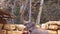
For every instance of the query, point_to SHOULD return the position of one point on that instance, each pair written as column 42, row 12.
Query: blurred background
column 20, row 9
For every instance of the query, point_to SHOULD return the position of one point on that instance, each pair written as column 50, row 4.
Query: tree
column 39, row 14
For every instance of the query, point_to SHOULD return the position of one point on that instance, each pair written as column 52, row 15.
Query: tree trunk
column 39, row 14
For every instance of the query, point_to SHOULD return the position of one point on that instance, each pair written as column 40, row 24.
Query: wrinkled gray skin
column 34, row 29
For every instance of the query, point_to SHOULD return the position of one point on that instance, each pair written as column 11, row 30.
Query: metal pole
column 30, row 11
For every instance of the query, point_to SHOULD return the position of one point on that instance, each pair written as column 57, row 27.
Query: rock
column 52, row 22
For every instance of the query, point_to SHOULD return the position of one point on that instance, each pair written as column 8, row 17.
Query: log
column 52, row 32
column 54, row 22
column 53, row 27
column 51, row 22
column 38, row 26
column 9, row 26
column 59, row 27
column 44, row 26
column 14, row 32
column 25, row 32
column 58, row 22
column 20, row 27
column 58, row 31
column 1, row 25
column 2, row 31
